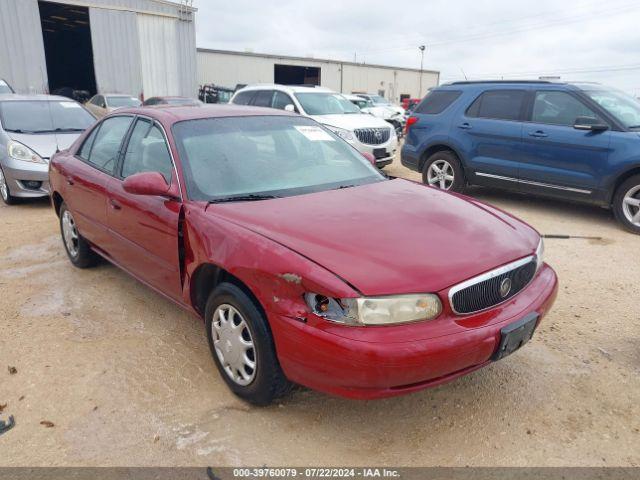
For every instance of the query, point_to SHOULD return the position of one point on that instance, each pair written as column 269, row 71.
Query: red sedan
column 306, row 263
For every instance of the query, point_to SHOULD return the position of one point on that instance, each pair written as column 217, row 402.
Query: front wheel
column 5, row 193
column 626, row 204
column 444, row 171
column 242, row 346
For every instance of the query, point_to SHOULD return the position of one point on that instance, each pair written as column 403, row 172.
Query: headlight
column 342, row 133
column 18, row 151
column 375, row 310
column 540, row 254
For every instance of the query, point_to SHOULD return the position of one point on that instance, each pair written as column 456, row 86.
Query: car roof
column 116, row 95
column 36, row 97
column 169, row 114
column 353, row 97
column 286, row 88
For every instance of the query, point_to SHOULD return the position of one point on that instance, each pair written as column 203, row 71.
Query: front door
column 144, row 229
column 558, row 159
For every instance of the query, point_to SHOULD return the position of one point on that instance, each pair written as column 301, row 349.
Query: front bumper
column 376, row 362
column 390, row 147
column 18, row 173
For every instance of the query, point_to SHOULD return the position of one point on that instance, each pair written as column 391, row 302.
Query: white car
column 379, row 101
column 386, row 113
column 364, row 132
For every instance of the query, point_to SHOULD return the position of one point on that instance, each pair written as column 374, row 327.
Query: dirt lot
column 127, row 379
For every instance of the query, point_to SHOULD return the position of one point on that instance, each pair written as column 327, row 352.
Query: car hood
column 389, row 237
column 351, row 121
column 45, row 144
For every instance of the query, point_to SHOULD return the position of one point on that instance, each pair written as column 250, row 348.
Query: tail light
column 410, row 121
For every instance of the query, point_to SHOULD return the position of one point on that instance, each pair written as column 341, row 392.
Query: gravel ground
column 126, row 377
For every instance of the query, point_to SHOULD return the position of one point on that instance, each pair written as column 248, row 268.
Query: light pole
column 422, row 49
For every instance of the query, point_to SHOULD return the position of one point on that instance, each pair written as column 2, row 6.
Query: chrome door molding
column 537, row 184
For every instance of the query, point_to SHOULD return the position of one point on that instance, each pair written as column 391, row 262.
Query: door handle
column 465, row 126
column 115, row 205
column 538, row 134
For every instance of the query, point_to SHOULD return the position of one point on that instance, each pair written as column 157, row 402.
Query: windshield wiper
column 57, row 130
column 341, row 187
column 243, row 198
column 18, row 130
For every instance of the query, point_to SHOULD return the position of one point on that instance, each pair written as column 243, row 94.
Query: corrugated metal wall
column 138, row 44
column 230, row 68
column 22, row 60
column 116, row 51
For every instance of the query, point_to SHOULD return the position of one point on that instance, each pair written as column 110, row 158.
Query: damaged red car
column 307, row 264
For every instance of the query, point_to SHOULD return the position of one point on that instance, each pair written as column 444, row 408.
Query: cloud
column 483, row 39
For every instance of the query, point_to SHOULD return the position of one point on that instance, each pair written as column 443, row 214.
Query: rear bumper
column 18, row 173
column 365, row 364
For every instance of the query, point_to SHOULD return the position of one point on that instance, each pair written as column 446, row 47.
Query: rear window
column 437, row 101
column 498, row 105
column 44, row 116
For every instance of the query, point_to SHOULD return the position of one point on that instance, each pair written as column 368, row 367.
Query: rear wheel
column 5, row 193
column 242, row 346
column 444, row 171
column 626, row 204
column 77, row 248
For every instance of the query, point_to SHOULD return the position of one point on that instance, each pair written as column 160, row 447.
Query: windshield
column 4, row 88
column 266, row 155
column 362, row 103
column 623, row 107
column 119, row 102
column 44, row 116
column 321, row 103
column 378, row 100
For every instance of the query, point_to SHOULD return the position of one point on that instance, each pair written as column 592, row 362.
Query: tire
column 626, row 204
column 79, row 252
column 5, row 193
column 449, row 160
column 264, row 382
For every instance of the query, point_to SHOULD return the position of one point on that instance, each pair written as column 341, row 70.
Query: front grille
column 484, row 291
column 373, row 136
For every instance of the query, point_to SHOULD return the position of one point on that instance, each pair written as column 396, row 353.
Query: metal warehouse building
column 227, row 68
column 139, row 47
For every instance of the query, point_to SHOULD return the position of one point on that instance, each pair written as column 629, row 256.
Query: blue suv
column 575, row 141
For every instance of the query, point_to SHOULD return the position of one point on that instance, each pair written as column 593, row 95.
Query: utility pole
column 422, row 49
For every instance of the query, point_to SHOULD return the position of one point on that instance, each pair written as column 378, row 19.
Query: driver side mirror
column 290, row 108
column 371, row 158
column 590, row 124
column 149, row 184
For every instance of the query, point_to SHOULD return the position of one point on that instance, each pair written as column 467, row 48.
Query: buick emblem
column 505, row 287
column 378, row 135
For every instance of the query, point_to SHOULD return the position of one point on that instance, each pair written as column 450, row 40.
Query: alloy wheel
column 441, row 174
column 233, row 344
column 70, row 233
column 4, row 189
column 631, row 206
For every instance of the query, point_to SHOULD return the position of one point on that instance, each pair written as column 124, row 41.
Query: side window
column 437, row 101
column 106, row 146
column 498, row 104
column 559, row 108
column 263, row 98
column 85, row 150
column 147, row 151
column 151, row 101
column 281, row 100
column 244, row 98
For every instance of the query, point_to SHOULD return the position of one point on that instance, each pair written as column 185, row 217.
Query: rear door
column 557, row 158
column 144, row 229
column 88, row 175
column 490, row 131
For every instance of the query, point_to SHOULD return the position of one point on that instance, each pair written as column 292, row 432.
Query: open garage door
column 296, row 75
column 66, row 32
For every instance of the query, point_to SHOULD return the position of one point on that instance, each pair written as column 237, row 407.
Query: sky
column 512, row 39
